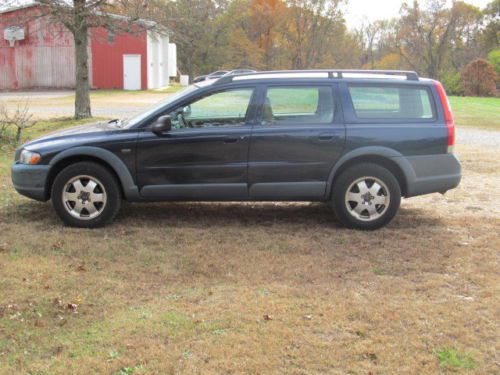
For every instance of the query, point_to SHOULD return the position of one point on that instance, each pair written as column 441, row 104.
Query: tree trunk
column 80, row 34
column 18, row 135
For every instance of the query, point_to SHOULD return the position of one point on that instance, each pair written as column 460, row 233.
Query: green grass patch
column 128, row 370
column 477, row 112
column 177, row 323
column 451, row 358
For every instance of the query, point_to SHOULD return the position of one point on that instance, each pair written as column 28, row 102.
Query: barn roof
column 30, row 4
column 13, row 8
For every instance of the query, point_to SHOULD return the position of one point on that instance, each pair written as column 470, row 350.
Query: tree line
column 457, row 44
column 435, row 39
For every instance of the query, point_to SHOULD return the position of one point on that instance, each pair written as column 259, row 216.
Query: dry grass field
column 264, row 288
column 255, row 288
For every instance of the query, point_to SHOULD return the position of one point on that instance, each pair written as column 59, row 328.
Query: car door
column 205, row 155
column 298, row 137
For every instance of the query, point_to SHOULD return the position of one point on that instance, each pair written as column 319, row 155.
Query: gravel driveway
column 478, row 137
column 50, row 104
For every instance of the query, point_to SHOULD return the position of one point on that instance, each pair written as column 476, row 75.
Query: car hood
column 81, row 129
column 73, row 134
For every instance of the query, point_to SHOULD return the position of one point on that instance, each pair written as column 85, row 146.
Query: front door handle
column 326, row 136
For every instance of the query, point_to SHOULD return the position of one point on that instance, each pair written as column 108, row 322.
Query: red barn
column 36, row 53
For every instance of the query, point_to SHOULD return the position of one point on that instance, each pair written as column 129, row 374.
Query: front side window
column 225, row 108
column 298, row 105
column 378, row 102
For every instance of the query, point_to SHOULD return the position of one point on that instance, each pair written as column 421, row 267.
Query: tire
column 366, row 196
column 86, row 195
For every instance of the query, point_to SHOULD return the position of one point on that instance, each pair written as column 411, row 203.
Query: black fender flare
column 374, row 151
column 130, row 189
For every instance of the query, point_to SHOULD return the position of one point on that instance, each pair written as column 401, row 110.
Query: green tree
column 490, row 35
column 192, row 23
column 494, row 60
column 313, row 27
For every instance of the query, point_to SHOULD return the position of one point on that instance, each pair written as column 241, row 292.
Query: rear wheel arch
column 384, row 161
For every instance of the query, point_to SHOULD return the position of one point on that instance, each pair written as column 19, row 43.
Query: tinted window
column 298, row 105
column 376, row 102
column 226, row 108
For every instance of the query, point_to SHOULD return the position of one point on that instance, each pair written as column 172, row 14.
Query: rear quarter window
column 391, row 102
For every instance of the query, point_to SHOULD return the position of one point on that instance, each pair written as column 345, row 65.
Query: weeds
column 452, row 358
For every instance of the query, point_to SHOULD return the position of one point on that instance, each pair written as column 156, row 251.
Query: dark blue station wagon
column 359, row 140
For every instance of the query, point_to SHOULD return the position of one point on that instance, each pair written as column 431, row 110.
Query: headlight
column 28, row 157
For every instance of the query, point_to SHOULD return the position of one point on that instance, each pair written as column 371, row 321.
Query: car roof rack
column 331, row 73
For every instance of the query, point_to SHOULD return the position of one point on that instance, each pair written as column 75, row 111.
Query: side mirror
column 162, row 125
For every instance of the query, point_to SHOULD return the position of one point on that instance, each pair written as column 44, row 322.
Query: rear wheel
column 86, row 195
column 366, row 196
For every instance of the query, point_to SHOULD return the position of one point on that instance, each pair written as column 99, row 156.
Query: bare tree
column 20, row 118
column 425, row 35
column 367, row 35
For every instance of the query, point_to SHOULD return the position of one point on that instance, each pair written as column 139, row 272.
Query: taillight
column 448, row 115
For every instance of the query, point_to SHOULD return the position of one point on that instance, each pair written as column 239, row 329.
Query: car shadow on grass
column 207, row 214
column 256, row 214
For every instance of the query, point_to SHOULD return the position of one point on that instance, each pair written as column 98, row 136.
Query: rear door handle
column 326, row 136
column 233, row 139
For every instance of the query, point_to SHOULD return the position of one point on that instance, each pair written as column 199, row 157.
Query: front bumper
column 31, row 180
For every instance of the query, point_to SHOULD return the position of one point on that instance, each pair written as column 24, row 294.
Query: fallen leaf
column 39, row 323
column 58, row 245
column 370, row 356
column 81, row 268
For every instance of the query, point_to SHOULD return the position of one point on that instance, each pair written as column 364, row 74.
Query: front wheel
column 366, row 196
column 86, row 195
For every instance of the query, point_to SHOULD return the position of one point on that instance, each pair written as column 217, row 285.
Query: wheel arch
column 388, row 158
column 97, row 155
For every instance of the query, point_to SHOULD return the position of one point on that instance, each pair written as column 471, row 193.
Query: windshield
column 170, row 99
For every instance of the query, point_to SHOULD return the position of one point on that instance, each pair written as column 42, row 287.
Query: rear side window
column 289, row 105
column 379, row 102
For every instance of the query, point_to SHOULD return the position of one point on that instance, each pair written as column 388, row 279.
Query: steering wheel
column 182, row 121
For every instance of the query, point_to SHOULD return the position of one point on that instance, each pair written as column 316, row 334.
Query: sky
column 358, row 11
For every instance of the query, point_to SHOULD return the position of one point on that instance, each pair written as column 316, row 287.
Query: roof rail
column 332, row 73
column 410, row 75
